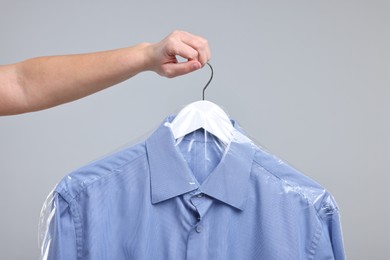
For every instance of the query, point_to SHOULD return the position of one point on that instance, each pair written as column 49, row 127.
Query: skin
column 44, row 82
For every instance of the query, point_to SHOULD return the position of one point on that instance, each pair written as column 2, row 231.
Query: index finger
column 198, row 43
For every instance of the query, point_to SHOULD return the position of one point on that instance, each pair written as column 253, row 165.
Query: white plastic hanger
column 203, row 114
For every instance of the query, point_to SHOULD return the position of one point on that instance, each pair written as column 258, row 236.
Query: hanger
column 203, row 114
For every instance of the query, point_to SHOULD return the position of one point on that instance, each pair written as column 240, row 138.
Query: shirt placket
column 198, row 237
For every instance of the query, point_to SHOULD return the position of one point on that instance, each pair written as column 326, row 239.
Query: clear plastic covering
column 46, row 217
column 149, row 201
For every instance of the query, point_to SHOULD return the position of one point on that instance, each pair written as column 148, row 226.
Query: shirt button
column 200, row 195
column 199, row 228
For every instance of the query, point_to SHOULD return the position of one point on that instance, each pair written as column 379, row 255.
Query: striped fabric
column 192, row 200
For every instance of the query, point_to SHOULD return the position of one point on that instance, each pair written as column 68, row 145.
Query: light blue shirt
column 158, row 200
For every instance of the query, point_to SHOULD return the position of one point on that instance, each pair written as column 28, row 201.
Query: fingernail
column 196, row 66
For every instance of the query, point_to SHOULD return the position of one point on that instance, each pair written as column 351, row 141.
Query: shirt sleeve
column 329, row 240
column 58, row 239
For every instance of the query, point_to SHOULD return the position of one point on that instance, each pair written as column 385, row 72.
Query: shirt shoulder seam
column 316, row 236
column 288, row 183
column 282, row 180
column 70, row 198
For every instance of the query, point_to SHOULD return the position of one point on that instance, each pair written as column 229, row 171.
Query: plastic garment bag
column 48, row 212
column 192, row 190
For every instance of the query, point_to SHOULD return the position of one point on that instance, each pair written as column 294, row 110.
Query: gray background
column 308, row 80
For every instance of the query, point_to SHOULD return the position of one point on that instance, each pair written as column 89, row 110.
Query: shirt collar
column 171, row 176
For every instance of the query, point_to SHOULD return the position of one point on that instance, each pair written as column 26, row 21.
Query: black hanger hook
column 211, row 77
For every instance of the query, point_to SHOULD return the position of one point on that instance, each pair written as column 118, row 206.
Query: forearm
column 45, row 82
column 49, row 81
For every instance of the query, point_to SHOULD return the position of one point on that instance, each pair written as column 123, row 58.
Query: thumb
column 178, row 69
